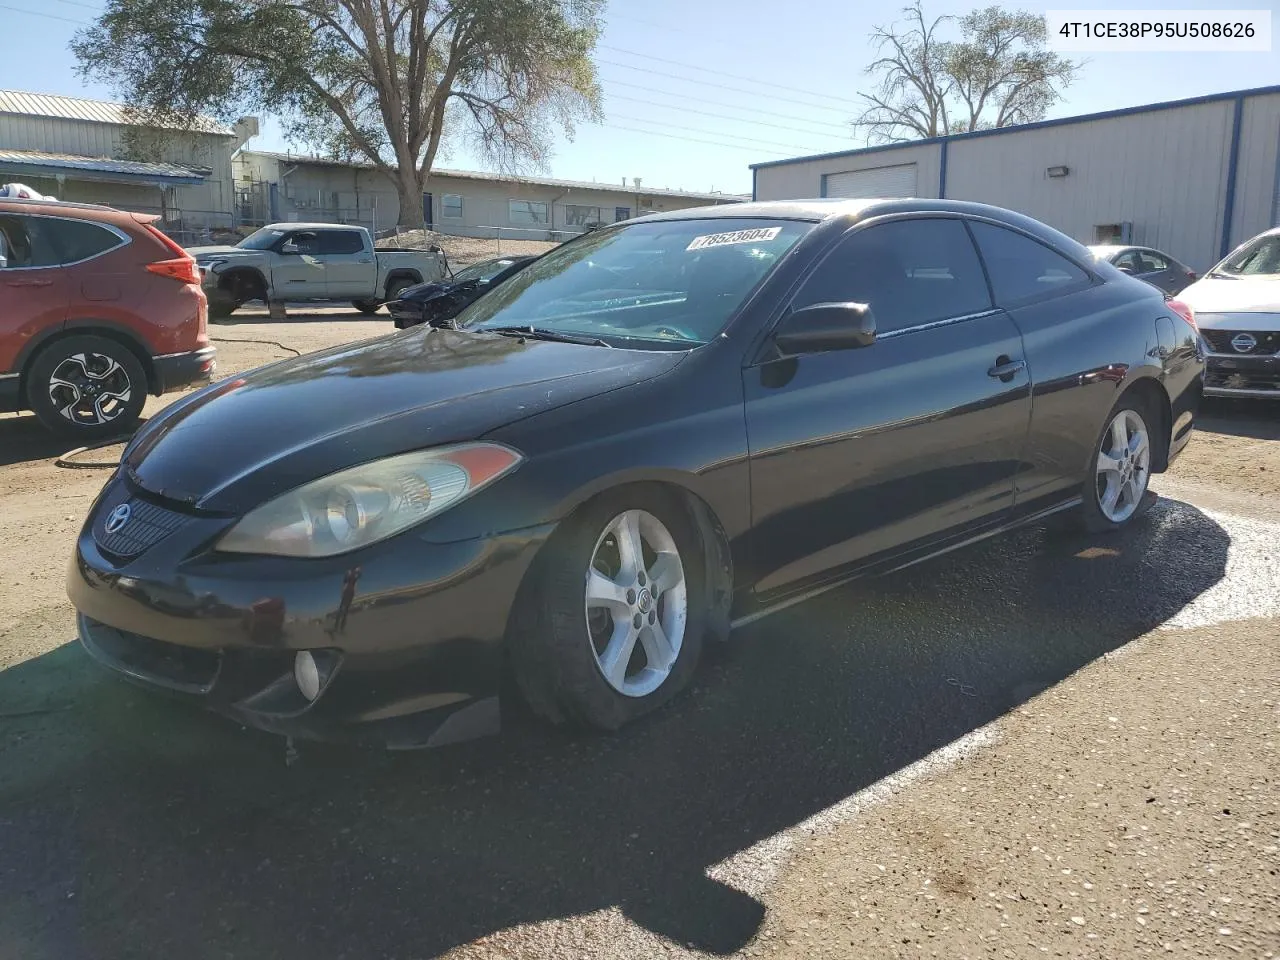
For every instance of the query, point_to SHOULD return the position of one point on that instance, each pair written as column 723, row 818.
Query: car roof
column 821, row 209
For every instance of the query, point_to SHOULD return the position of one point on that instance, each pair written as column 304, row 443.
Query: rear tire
column 398, row 286
column 367, row 307
column 87, row 387
column 597, row 639
column 1114, row 493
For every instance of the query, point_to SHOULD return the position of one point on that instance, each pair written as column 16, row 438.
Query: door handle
column 364, row 261
column 29, row 283
column 1006, row 369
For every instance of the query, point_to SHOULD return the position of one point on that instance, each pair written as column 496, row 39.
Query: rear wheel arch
column 400, row 276
column 1156, row 399
column 75, row 328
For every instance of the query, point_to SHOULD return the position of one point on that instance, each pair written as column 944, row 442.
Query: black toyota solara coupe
column 656, row 432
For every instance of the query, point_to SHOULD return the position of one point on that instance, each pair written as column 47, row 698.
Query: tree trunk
column 409, row 188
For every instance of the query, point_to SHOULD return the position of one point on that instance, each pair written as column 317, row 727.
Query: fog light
column 306, row 672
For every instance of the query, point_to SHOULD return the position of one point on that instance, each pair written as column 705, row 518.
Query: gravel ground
column 1038, row 746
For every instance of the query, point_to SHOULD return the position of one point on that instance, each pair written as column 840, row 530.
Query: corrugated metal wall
column 803, row 179
column 1164, row 171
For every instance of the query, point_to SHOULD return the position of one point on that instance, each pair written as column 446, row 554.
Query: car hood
column 1243, row 295
column 246, row 439
column 426, row 291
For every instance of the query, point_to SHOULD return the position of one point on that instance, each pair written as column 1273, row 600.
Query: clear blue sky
column 805, row 62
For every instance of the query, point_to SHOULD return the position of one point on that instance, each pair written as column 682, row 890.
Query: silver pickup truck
column 311, row 261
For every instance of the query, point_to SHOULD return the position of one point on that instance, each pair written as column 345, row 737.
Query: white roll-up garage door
column 895, row 181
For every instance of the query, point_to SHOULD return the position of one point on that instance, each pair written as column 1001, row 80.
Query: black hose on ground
column 67, row 463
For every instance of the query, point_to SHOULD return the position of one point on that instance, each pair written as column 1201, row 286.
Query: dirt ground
column 1027, row 749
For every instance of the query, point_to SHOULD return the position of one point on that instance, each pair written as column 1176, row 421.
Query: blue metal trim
column 1233, row 165
column 942, row 172
column 1038, row 125
column 98, row 176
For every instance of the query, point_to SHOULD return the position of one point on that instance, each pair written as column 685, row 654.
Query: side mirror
column 1126, row 269
column 820, row 327
column 289, row 247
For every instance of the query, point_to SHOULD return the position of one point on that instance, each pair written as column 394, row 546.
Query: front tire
column 611, row 625
column 367, row 307
column 87, row 387
column 1115, row 490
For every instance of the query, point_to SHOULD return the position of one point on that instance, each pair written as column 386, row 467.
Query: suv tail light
column 181, row 266
column 1182, row 310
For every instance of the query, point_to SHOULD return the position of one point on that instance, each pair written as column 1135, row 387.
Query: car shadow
column 1255, row 419
column 23, row 439
column 131, row 826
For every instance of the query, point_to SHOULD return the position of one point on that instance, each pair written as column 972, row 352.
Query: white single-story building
column 1192, row 177
column 455, row 201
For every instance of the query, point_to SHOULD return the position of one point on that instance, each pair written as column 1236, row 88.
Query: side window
column 340, row 242
column 78, row 240
column 28, row 242
column 1022, row 269
column 302, row 243
column 1152, row 261
column 909, row 272
column 451, row 207
column 1128, row 262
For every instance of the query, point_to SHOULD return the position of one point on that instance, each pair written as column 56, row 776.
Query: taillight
column 183, row 269
column 182, row 266
column 1182, row 310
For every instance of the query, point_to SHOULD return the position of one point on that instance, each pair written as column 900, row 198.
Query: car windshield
column 261, row 239
column 484, row 270
column 1261, row 258
column 658, row 285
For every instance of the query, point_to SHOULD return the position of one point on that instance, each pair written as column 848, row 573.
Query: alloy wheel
column 637, row 603
column 1123, row 467
column 90, row 389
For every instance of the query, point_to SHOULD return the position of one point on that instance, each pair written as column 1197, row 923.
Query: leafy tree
column 387, row 80
column 997, row 74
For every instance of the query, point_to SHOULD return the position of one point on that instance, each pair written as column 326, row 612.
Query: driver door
column 299, row 273
column 858, row 453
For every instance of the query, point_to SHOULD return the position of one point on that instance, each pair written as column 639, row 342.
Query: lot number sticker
column 738, row 236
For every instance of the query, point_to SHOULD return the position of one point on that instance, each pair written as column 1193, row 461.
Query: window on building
column 910, row 272
column 451, row 207
column 621, row 213
column 522, row 212
column 340, row 242
column 579, row 216
column 1022, row 269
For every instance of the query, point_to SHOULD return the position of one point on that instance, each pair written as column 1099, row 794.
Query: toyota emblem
column 118, row 518
column 1243, row 342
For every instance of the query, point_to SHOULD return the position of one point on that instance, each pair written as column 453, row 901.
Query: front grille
column 146, row 526
column 1242, row 381
column 1220, row 342
column 188, row 669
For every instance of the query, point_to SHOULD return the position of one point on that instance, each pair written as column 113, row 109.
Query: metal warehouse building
column 88, row 151
column 1191, row 177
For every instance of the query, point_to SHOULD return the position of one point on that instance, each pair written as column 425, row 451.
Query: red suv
column 98, row 308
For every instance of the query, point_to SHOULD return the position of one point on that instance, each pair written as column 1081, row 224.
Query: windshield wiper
column 540, row 333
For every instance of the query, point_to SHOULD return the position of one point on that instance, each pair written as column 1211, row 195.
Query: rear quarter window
column 78, row 240
column 1023, row 270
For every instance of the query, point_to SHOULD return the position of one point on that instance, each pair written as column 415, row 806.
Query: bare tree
column 386, row 80
column 997, row 74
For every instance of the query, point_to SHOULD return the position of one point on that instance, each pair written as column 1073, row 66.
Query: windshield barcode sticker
column 738, row 236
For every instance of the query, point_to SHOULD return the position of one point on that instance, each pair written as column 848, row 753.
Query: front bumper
column 416, row 628
column 177, row 370
column 1243, row 376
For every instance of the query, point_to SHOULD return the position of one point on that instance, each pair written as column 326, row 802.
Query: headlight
column 360, row 506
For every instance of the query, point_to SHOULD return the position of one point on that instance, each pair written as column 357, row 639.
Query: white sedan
column 1237, row 308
